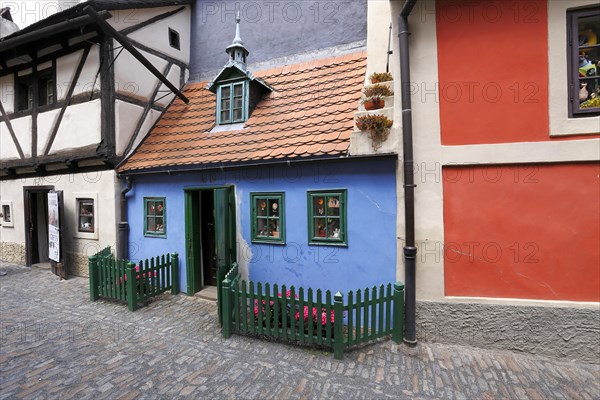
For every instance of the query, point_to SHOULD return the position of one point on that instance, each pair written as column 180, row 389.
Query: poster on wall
column 53, row 227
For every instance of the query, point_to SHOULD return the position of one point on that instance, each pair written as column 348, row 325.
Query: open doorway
column 207, row 238
column 36, row 225
column 210, row 238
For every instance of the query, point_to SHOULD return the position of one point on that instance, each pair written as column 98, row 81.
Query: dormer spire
column 238, row 38
column 236, row 50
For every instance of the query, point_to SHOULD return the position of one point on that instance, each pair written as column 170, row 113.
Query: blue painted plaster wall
column 369, row 258
column 272, row 29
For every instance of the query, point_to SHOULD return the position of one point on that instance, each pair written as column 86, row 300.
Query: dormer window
column 238, row 91
column 232, row 103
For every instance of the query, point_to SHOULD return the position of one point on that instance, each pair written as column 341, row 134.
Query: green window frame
column 155, row 216
column 327, row 222
column 268, row 217
column 232, row 103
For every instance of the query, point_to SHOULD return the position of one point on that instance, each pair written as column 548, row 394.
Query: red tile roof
column 309, row 114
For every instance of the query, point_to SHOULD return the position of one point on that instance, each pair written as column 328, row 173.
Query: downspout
column 122, row 253
column 410, row 250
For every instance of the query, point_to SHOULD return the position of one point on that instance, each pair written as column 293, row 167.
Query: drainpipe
column 124, row 225
column 410, row 250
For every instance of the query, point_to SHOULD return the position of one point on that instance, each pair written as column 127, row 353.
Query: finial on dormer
column 236, row 50
column 238, row 38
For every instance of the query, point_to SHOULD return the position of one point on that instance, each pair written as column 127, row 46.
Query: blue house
column 256, row 169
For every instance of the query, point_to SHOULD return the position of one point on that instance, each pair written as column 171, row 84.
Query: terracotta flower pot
column 373, row 105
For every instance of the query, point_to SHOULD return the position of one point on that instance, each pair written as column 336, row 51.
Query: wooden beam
column 34, row 113
column 40, row 169
column 43, row 59
column 107, row 96
column 138, row 102
column 110, row 31
column 152, row 20
column 158, row 54
column 147, row 109
column 84, row 56
column 78, row 99
column 43, row 33
column 11, row 131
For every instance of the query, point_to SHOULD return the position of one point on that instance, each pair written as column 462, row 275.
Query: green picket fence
column 308, row 317
column 124, row 280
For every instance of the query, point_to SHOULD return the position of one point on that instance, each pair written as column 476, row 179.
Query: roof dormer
column 238, row 91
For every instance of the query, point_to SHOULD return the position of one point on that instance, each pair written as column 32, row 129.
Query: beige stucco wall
column 101, row 184
column 379, row 18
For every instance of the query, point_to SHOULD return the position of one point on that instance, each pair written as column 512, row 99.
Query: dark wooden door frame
column 191, row 245
column 27, row 192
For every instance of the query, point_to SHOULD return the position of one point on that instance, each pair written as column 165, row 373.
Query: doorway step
column 208, row 293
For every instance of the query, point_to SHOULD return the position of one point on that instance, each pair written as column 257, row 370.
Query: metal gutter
column 124, row 223
column 410, row 250
column 211, row 167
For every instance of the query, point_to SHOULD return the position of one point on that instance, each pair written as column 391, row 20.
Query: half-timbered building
column 79, row 90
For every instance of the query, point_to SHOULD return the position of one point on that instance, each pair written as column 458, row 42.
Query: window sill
column 267, row 241
column 159, row 236
column 324, row 243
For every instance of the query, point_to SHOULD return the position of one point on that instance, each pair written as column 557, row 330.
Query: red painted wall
column 493, row 71
column 530, row 231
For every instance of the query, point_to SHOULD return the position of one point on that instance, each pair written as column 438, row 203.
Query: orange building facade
column 506, row 162
column 529, row 230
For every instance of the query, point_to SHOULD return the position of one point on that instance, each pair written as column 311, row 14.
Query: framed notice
column 53, row 227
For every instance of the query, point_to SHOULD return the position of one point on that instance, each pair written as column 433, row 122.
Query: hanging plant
column 377, row 126
column 377, row 77
column 374, row 96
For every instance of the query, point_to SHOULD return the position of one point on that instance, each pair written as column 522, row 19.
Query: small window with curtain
column 327, row 217
column 584, row 61
column 268, row 217
column 155, row 216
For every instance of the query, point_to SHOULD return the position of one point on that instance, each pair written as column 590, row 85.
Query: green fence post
column 226, row 310
column 94, row 278
column 174, row 273
column 398, row 329
column 130, row 273
column 338, row 321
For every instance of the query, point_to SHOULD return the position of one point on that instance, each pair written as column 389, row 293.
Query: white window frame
column 85, row 235
column 3, row 222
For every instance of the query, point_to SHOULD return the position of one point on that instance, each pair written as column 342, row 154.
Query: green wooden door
column 193, row 243
column 224, row 234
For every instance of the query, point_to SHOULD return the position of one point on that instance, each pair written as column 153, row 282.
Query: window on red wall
column 583, row 27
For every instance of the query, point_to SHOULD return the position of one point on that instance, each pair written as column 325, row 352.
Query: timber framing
column 147, row 109
column 111, row 32
column 82, row 32
column 70, row 159
column 74, row 100
column 150, row 21
column 84, row 56
column 107, row 95
column 11, row 131
column 137, row 102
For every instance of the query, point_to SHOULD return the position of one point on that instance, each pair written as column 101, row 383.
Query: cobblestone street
column 55, row 343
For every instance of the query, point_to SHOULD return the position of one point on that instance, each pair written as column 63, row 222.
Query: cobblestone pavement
column 55, row 343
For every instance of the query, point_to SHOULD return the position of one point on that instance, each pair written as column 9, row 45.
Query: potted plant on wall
column 378, row 77
column 377, row 126
column 374, row 96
